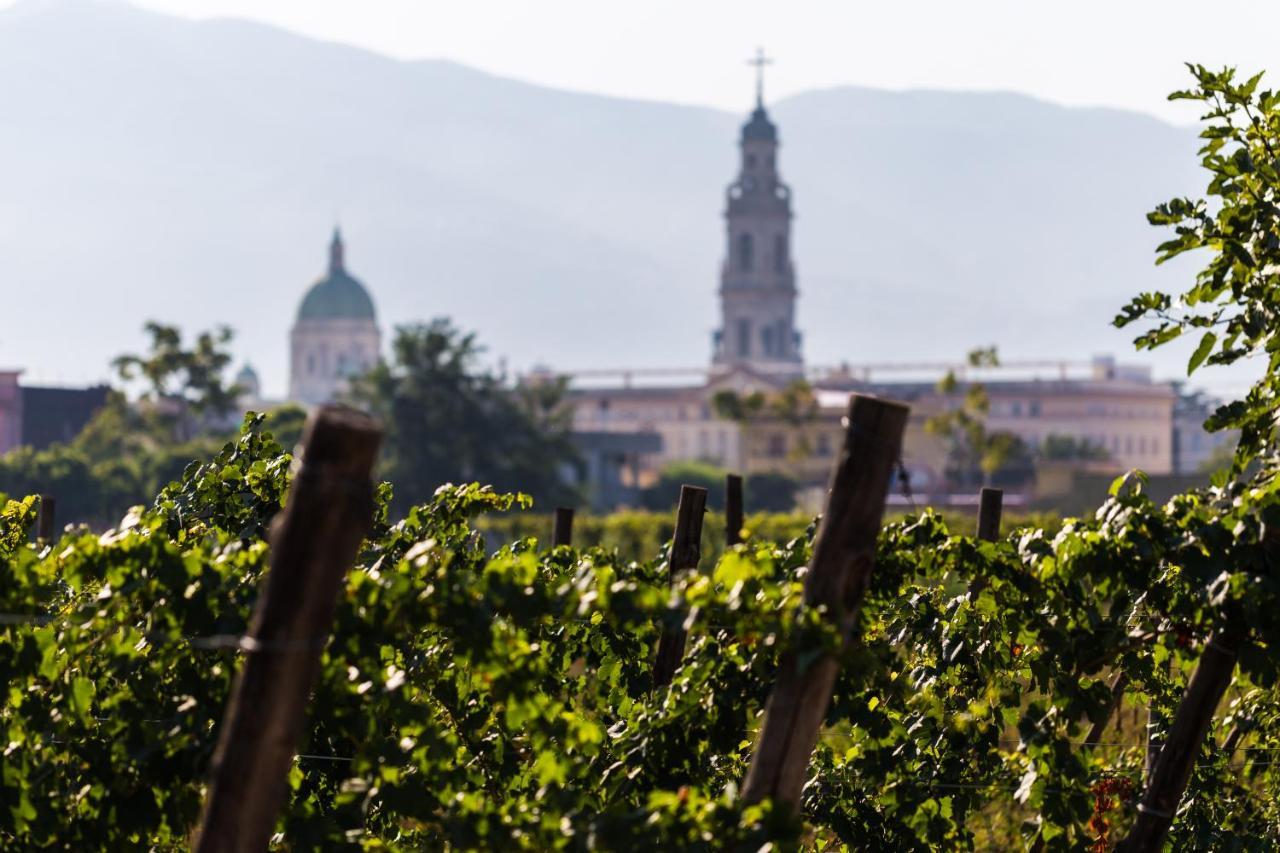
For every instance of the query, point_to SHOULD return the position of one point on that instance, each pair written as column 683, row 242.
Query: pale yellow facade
column 1127, row 415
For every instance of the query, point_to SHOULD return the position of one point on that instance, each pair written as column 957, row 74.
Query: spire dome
column 338, row 295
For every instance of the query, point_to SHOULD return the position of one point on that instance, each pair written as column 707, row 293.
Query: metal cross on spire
column 759, row 61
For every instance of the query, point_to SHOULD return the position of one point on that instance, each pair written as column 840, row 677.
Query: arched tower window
column 766, row 340
column 744, row 337
column 744, row 251
column 780, row 253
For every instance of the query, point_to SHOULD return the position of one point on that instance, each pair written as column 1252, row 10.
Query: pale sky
column 1123, row 53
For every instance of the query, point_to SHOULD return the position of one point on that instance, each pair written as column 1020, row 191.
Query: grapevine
column 471, row 698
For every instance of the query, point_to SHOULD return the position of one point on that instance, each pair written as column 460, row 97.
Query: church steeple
column 757, row 279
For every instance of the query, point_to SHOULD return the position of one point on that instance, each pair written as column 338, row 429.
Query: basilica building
column 336, row 334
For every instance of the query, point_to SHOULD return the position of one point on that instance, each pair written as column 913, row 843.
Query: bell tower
column 757, row 278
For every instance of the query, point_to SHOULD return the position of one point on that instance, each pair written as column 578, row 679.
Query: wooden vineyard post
column 733, row 511
column 1118, row 685
column 1233, row 740
column 686, row 550
column 563, row 531
column 990, row 508
column 1168, row 778
column 843, row 554
column 45, row 518
column 314, row 541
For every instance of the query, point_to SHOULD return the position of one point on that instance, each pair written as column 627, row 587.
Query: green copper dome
column 337, row 296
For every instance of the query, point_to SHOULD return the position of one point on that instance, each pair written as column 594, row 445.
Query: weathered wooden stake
column 1118, row 684
column 1233, row 740
column 843, row 554
column 1168, row 778
column 686, row 550
column 563, row 533
column 990, row 508
column 733, row 511
column 45, row 515
column 314, row 541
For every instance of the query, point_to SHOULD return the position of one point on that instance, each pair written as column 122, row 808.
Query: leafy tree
column 763, row 492
column 974, row 453
column 88, row 491
column 770, row 492
column 1234, row 304
column 128, row 451
column 1221, row 459
column 794, row 406
column 542, row 400
column 285, row 423
column 110, row 467
column 1068, row 448
column 665, row 492
column 179, row 379
column 739, row 408
column 448, row 419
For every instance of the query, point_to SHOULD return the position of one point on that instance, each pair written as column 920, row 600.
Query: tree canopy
column 449, row 419
column 129, row 450
column 192, row 376
column 1233, row 306
column 975, row 454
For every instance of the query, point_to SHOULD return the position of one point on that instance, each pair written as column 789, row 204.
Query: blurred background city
column 588, row 252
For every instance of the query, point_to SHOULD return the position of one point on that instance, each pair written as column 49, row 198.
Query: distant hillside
column 191, row 171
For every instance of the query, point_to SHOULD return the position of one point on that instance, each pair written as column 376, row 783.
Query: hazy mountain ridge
column 190, row 171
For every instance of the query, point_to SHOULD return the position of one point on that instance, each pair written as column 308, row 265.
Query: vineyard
column 264, row 656
column 514, row 699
